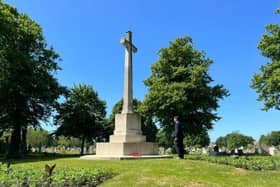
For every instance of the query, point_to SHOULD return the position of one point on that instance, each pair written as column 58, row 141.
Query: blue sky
column 86, row 35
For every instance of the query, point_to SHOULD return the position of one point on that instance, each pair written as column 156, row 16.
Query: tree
column 163, row 140
column 37, row 137
column 198, row 140
column 235, row 140
column 52, row 140
column 28, row 89
column 82, row 115
column 4, row 141
column 271, row 139
column 221, row 142
column 180, row 85
column 66, row 142
column 148, row 126
column 267, row 81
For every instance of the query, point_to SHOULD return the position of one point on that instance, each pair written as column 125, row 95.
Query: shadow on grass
column 37, row 157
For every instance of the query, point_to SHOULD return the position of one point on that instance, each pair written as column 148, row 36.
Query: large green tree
column 198, row 140
column 235, row 140
column 28, row 88
column 180, row 85
column 267, row 81
column 82, row 115
column 148, row 126
column 67, row 142
column 271, row 139
column 221, row 142
column 37, row 138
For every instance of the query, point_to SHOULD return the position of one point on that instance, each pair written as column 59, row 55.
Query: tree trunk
column 87, row 149
column 19, row 120
column 14, row 149
column 82, row 145
column 40, row 148
column 23, row 140
column 7, row 145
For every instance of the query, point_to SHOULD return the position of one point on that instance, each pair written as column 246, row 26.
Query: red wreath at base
column 136, row 154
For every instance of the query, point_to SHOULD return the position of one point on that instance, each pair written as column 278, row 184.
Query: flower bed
column 50, row 176
column 246, row 162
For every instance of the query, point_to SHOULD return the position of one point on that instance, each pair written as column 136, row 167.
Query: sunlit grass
column 169, row 172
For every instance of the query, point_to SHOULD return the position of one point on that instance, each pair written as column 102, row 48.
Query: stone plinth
column 127, row 129
column 124, row 157
column 127, row 138
column 129, row 149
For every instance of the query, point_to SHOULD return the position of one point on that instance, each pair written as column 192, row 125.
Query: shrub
column 61, row 176
column 251, row 163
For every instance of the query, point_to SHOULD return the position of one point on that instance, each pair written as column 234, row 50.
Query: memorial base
column 128, row 149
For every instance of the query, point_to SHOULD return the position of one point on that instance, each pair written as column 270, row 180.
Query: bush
column 64, row 176
column 245, row 162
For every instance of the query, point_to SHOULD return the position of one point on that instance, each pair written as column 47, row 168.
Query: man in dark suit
column 178, row 136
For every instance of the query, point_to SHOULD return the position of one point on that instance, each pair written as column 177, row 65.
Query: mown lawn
column 169, row 172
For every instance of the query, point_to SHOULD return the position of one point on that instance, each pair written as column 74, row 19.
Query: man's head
column 176, row 119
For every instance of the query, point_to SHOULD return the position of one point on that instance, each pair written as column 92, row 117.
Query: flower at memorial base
column 136, row 154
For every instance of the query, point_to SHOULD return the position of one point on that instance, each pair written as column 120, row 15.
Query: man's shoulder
column 178, row 124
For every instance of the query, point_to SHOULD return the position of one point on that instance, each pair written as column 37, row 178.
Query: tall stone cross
column 128, row 93
column 127, row 139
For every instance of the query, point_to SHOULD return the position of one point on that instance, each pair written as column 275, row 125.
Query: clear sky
column 86, row 34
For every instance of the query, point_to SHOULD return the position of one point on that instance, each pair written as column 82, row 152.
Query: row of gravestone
column 74, row 150
column 211, row 150
column 215, row 150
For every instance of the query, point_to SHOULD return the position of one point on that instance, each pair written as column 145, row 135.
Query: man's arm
column 176, row 132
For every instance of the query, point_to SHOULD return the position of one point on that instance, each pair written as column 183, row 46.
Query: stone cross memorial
column 128, row 93
column 127, row 139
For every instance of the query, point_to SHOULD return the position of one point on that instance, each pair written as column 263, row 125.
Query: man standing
column 178, row 137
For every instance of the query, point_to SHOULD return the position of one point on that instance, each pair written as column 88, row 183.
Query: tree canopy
column 266, row 82
column 28, row 88
column 221, row 142
column 67, row 142
column 271, row 139
column 82, row 115
column 198, row 140
column 234, row 140
column 180, row 85
column 37, row 137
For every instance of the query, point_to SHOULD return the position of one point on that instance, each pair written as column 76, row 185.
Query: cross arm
column 127, row 44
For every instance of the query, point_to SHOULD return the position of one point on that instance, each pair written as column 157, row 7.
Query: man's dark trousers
column 179, row 146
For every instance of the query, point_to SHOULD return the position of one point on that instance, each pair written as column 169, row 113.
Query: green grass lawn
column 168, row 172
